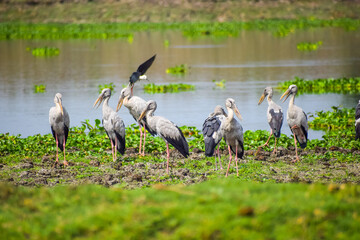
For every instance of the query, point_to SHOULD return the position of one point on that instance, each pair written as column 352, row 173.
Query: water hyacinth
column 168, row 88
column 324, row 85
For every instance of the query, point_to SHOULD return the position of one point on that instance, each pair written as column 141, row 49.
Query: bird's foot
column 66, row 163
column 274, row 151
column 295, row 160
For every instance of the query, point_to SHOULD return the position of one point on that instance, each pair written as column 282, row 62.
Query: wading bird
column 212, row 132
column 233, row 133
column 59, row 122
column 136, row 106
column 166, row 129
column 274, row 115
column 296, row 119
column 357, row 121
column 113, row 124
column 140, row 72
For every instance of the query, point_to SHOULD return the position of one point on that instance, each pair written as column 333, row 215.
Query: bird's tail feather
column 240, row 151
column 209, row 146
column 120, row 146
column 180, row 144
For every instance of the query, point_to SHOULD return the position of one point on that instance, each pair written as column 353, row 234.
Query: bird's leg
column 274, row 151
column 267, row 140
column 215, row 162
column 57, row 150
column 141, row 134
column 65, row 162
column 144, row 141
column 297, row 157
column 115, row 150
column 167, row 156
column 236, row 160
column 230, row 158
column 218, row 152
column 112, row 149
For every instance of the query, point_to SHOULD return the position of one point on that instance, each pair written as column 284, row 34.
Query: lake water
column 248, row 63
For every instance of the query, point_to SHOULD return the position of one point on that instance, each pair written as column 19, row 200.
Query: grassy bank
column 72, row 11
column 222, row 209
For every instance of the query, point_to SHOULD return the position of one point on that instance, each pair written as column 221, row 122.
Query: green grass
column 168, row 88
column 55, row 31
column 324, row 85
column 219, row 209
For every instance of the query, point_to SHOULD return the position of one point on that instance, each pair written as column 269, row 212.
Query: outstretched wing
column 145, row 66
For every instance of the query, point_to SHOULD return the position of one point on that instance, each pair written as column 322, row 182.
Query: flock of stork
column 217, row 126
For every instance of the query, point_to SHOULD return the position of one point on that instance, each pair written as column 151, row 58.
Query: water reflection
column 248, row 63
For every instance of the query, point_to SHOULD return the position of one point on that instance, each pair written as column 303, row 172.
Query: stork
column 136, row 106
column 166, row 129
column 113, row 124
column 59, row 121
column 357, row 121
column 233, row 133
column 212, row 133
column 274, row 115
column 296, row 119
column 140, row 72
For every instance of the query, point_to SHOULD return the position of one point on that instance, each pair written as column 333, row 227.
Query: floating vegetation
column 339, row 118
column 220, row 84
column 45, row 52
column 172, row 88
column 279, row 28
column 166, row 43
column 308, row 46
column 324, row 85
column 110, row 85
column 39, row 88
column 178, row 70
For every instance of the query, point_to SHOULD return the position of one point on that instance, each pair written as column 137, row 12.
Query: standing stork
column 113, row 124
column 140, row 72
column 212, row 132
column 166, row 129
column 233, row 133
column 136, row 106
column 357, row 121
column 274, row 115
column 59, row 122
column 296, row 119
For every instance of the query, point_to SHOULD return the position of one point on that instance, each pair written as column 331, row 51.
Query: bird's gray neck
column 105, row 105
column 269, row 99
column 292, row 100
column 230, row 114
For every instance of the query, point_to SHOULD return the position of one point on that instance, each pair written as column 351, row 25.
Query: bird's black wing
column 120, row 147
column 211, row 125
column 357, row 112
column 145, row 66
column 276, row 122
column 240, row 153
column 179, row 143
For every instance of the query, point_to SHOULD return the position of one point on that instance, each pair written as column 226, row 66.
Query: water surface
column 248, row 63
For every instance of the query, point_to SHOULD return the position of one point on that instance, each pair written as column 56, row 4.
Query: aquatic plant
column 109, row 85
column 41, row 88
column 166, row 88
column 308, row 46
column 178, row 69
column 45, row 52
column 220, row 84
column 339, row 118
column 324, row 85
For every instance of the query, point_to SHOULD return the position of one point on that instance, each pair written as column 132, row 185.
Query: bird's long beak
column 61, row 107
column 236, row 110
column 287, row 93
column 120, row 103
column 143, row 114
column 261, row 99
column 100, row 99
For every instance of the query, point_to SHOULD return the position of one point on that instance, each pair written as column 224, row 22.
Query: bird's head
column 150, row 105
column 268, row 91
column 58, row 102
column 105, row 93
column 125, row 92
column 291, row 90
column 219, row 110
column 230, row 104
